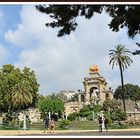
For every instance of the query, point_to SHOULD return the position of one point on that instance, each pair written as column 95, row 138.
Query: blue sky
column 10, row 17
column 61, row 63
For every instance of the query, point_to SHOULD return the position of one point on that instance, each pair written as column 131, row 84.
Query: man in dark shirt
column 46, row 124
column 100, row 124
column 106, row 124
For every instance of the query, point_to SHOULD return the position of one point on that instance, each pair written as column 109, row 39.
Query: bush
column 85, row 114
column 118, row 115
column 73, row 116
column 64, row 123
column 97, row 108
column 84, row 109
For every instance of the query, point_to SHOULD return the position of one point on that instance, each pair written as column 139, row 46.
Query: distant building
column 68, row 93
column 95, row 90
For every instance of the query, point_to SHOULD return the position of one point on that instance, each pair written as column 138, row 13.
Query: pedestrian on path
column 103, row 122
column 106, row 124
column 100, row 123
column 46, row 124
column 52, row 126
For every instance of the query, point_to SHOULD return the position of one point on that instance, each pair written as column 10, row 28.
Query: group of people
column 49, row 125
column 103, row 123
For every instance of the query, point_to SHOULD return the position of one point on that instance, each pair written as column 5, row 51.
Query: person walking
column 103, row 122
column 100, row 123
column 52, row 126
column 46, row 124
column 106, row 124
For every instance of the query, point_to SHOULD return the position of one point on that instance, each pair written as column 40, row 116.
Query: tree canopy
column 131, row 92
column 113, row 111
column 50, row 103
column 122, row 16
column 18, row 88
column 64, row 16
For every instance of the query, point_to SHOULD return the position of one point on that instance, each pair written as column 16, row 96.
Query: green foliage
column 121, row 57
column 130, row 92
column 110, row 105
column 118, row 115
column 90, row 117
column 73, row 116
column 84, row 109
column 64, row 123
column 112, row 110
column 85, row 114
column 18, row 88
column 50, row 103
column 97, row 108
column 64, row 16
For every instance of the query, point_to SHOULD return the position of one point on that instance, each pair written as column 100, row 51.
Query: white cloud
column 62, row 63
column 30, row 30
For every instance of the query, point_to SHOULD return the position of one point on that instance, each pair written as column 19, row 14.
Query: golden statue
column 94, row 68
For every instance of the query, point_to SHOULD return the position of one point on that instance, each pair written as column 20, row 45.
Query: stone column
column 79, row 98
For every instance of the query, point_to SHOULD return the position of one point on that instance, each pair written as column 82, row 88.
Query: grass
column 118, row 127
column 75, row 125
column 9, row 128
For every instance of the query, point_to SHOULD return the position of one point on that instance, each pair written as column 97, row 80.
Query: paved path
column 112, row 132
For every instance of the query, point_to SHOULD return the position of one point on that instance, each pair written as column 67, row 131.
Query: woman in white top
column 103, row 122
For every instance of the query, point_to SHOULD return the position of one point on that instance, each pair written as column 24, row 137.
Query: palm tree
column 120, row 57
column 21, row 95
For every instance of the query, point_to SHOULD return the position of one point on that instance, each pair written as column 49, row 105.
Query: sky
column 62, row 63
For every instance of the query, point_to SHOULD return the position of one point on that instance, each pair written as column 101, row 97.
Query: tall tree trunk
column 123, row 97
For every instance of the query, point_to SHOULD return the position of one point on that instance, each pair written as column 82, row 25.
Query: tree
column 48, row 104
column 137, row 52
column 85, row 109
column 97, row 108
column 118, row 115
column 112, row 110
column 21, row 95
column 110, row 105
column 64, row 16
column 131, row 92
column 121, row 57
column 17, row 89
column 31, row 81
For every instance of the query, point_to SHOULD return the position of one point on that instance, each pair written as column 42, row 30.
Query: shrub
column 85, row 114
column 84, row 109
column 118, row 115
column 73, row 116
column 64, row 123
